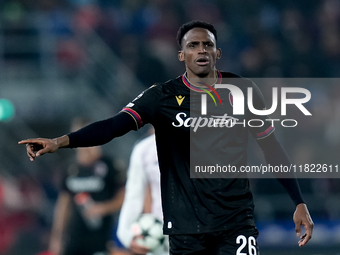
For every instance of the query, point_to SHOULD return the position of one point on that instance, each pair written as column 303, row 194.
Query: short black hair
column 193, row 24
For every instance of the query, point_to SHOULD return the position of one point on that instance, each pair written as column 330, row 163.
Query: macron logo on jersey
column 180, row 99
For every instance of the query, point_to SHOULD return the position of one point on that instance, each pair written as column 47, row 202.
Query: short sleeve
column 143, row 108
column 260, row 126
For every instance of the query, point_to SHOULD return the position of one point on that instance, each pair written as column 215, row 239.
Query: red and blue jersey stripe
column 135, row 116
column 265, row 133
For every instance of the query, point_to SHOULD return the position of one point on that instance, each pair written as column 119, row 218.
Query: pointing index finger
column 27, row 141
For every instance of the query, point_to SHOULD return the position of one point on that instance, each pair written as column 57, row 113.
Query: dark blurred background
column 65, row 58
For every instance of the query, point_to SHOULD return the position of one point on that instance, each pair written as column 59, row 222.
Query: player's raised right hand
column 39, row 146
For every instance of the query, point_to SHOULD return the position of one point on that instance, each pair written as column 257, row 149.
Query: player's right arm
column 137, row 113
column 97, row 133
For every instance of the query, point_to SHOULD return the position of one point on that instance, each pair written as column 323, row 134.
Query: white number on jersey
column 243, row 241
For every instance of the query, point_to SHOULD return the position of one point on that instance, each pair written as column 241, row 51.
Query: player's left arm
column 275, row 155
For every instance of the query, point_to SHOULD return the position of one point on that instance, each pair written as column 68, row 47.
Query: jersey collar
column 196, row 88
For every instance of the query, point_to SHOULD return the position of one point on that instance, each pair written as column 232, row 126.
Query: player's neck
column 192, row 76
column 198, row 81
column 201, row 82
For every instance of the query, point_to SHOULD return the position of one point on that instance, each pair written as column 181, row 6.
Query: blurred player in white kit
column 143, row 172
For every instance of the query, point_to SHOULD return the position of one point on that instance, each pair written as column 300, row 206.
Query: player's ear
column 218, row 53
column 180, row 55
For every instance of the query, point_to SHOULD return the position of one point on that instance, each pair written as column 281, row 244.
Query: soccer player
column 90, row 194
column 143, row 172
column 201, row 215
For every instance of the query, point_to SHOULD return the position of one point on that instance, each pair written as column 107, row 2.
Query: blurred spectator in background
column 21, row 201
column 91, row 193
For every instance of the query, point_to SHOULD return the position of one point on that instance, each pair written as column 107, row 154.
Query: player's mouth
column 202, row 61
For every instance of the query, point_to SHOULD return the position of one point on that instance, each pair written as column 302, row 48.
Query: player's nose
column 201, row 48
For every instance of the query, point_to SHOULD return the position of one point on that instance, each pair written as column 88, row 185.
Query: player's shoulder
column 172, row 86
column 157, row 87
column 175, row 86
column 238, row 80
column 172, row 82
column 229, row 75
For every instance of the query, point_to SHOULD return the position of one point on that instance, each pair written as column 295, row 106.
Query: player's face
column 199, row 53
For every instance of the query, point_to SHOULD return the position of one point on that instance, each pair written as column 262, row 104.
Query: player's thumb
column 42, row 151
column 298, row 229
